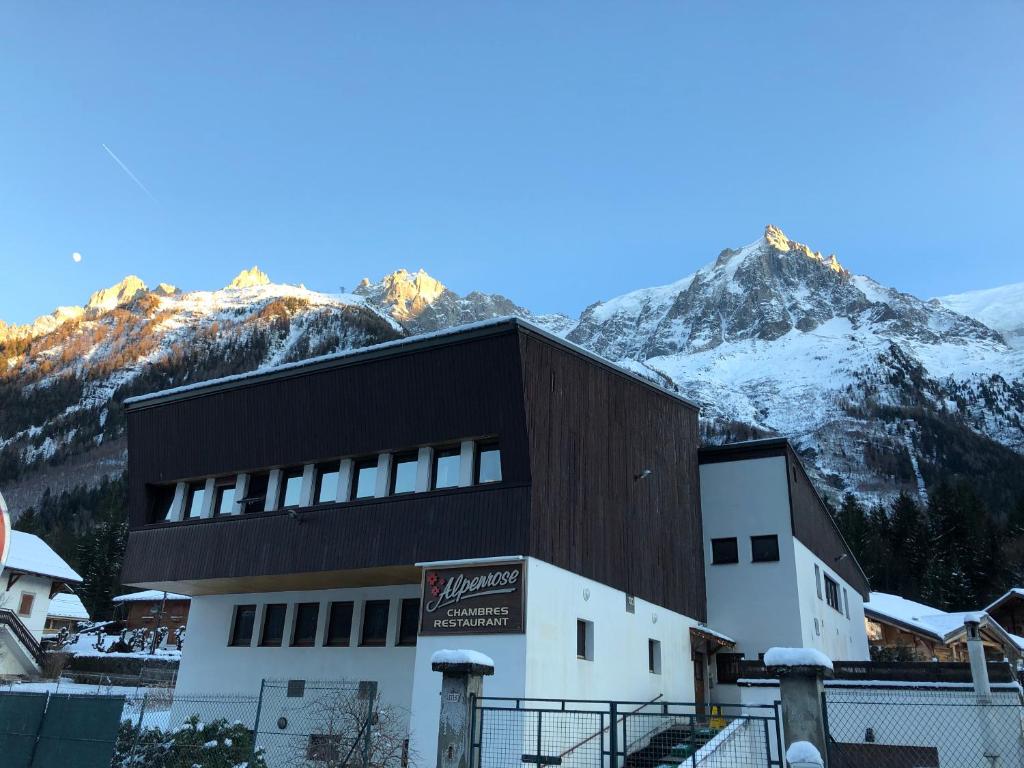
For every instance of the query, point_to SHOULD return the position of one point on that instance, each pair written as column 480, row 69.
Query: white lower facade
column 541, row 662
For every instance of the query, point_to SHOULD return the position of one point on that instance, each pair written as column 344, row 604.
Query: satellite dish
column 5, row 532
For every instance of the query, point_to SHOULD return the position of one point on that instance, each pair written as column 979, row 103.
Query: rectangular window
column 290, row 492
column 306, row 615
column 403, row 473
column 728, row 666
column 25, row 606
column 339, row 625
column 326, row 489
column 273, row 624
column 365, row 483
column 817, row 579
column 724, row 551
column 256, row 497
column 161, row 497
column 654, row 656
column 241, row 626
column 194, row 501
column 447, row 466
column 846, row 602
column 832, row 594
column 375, row 623
column 584, row 639
column 224, row 498
column 764, row 549
column 488, row 463
column 409, row 623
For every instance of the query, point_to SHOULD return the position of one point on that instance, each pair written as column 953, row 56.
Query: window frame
column 817, row 581
column 654, row 656
column 405, row 640
column 311, row 642
column 321, row 469
column 479, row 448
column 445, row 452
column 584, row 640
column 336, row 605
column 358, row 465
column 767, row 537
column 270, row 643
column 403, row 458
column 31, row 603
column 363, row 641
column 161, row 501
column 194, row 487
column 832, row 590
column 722, row 540
column 220, row 486
column 233, row 635
column 289, row 473
column 259, row 497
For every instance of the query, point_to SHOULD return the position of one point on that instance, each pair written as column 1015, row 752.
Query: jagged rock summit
column 250, row 278
column 120, row 293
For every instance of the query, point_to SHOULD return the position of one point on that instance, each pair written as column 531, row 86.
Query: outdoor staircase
column 672, row 746
column 13, row 630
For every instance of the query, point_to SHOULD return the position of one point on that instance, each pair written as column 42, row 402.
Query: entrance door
column 698, row 682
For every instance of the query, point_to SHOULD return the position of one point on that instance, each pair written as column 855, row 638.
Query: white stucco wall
column 838, row 637
column 11, row 599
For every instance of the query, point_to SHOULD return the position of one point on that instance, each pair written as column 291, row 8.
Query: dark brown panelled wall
column 575, row 434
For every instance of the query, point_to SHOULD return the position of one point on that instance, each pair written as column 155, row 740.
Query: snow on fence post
column 801, row 673
column 461, row 682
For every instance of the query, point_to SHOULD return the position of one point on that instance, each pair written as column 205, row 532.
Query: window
column 584, row 640
column 728, row 666
column 25, row 606
column 290, row 492
column 409, row 623
column 817, row 579
column 365, row 483
column 654, row 656
column 161, row 498
column 273, row 624
column 375, row 622
column 194, row 503
column 326, row 489
column 256, row 497
column 339, row 625
column 447, row 465
column 241, row 627
column 724, row 551
column 488, row 463
column 306, row 615
column 764, row 549
column 832, row 593
column 403, row 473
column 224, row 496
column 846, row 602
column 324, row 748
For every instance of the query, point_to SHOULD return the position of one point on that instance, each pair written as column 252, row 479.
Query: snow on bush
column 803, row 753
column 796, row 657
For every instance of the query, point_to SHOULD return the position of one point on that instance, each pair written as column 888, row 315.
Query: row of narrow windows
column 763, row 549
column 339, row 480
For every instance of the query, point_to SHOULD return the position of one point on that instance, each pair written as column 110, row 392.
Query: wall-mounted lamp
column 642, row 474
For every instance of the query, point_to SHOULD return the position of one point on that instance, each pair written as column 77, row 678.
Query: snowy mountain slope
column 999, row 308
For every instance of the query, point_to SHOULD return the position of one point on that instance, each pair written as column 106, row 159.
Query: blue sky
column 554, row 152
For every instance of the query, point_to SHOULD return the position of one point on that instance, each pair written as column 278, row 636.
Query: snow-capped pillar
column 308, row 486
column 273, row 490
column 383, row 475
column 801, row 673
column 345, row 480
column 241, row 491
column 174, row 514
column 209, row 497
column 424, row 468
column 976, row 652
column 467, row 455
column 462, row 680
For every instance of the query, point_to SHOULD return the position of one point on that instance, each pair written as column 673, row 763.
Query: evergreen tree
column 100, row 553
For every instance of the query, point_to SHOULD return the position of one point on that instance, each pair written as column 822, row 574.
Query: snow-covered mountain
column 881, row 391
column 999, row 308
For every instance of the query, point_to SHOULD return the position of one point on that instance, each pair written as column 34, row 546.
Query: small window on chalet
column 161, row 497
column 241, row 625
column 403, row 473
column 195, row 499
column 339, row 625
column 654, row 656
column 728, row 666
column 584, row 639
column 306, row 616
column 326, row 489
column 364, row 484
column 290, row 493
column 26, row 603
column 273, row 624
column 447, row 466
column 846, row 602
column 409, row 622
column 832, row 594
column 764, row 549
column 375, row 623
column 224, row 498
column 488, row 463
column 724, row 551
column 256, row 497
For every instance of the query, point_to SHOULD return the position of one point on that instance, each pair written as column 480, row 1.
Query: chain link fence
column 919, row 728
column 589, row 734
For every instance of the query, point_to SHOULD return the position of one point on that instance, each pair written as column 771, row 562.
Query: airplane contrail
column 128, row 170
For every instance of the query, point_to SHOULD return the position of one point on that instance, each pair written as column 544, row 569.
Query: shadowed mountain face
column 880, row 390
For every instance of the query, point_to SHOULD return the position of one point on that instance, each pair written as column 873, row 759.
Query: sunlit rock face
column 116, row 295
column 249, row 278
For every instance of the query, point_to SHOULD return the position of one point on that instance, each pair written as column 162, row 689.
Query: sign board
column 474, row 600
column 5, row 532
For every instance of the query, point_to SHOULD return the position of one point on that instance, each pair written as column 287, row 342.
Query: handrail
column 601, row 732
column 12, row 620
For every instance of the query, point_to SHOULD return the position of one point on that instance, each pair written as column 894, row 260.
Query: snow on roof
column 149, row 595
column 714, row 633
column 899, row 609
column 461, row 656
column 1015, row 592
column 65, row 606
column 30, row 554
column 796, row 657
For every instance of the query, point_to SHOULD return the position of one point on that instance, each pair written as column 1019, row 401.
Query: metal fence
column 598, row 734
column 918, row 728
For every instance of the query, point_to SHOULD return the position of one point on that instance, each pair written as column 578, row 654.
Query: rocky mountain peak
column 406, row 294
column 249, row 278
column 776, row 239
column 106, row 299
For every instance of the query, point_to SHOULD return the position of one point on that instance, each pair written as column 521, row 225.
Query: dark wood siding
column 591, row 431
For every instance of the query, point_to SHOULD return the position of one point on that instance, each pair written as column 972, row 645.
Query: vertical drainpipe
column 976, row 653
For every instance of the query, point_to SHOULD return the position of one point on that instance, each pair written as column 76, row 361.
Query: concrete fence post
column 461, row 682
column 801, row 674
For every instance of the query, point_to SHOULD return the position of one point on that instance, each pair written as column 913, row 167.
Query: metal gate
column 43, row 730
column 610, row 734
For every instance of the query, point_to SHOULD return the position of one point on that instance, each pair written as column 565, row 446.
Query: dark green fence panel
column 21, row 715
column 79, row 731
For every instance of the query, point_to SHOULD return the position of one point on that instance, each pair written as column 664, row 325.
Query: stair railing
column 12, row 621
column 601, row 732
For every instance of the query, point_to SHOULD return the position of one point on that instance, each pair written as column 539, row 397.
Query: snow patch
column 461, row 656
column 803, row 753
column 796, row 657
